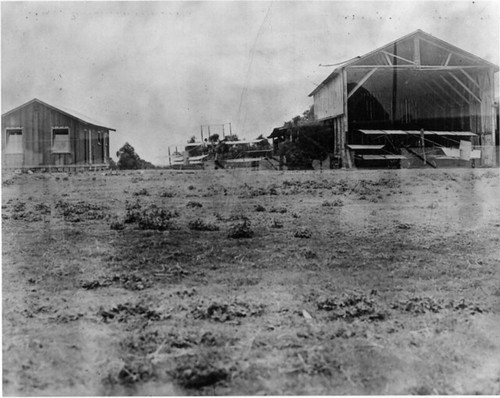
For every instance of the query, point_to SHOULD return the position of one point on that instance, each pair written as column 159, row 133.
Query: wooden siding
column 486, row 83
column 37, row 122
column 329, row 100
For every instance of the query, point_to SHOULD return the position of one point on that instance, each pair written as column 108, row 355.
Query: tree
column 263, row 143
column 233, row 137
column 307, row 116
column 112, row 164
column 192, row 140
column 128, row 159
column 306, row 142
column 213, row 138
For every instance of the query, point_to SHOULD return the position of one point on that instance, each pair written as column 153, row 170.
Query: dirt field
column 241, row 282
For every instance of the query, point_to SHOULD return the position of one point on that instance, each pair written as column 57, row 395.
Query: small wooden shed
column 39, row 135
column 416, row 88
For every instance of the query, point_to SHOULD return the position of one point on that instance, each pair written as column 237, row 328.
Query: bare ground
column 240, row 282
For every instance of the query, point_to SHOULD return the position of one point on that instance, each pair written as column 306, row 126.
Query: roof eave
column 416, row 32
column 58, row 110
column 324, row 82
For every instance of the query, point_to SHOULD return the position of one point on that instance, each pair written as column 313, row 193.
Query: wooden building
column 418, row 82
column 39, row 135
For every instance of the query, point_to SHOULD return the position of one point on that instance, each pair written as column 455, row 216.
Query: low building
column 39, row 135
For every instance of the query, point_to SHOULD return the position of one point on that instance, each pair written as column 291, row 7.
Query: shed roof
column 68, row 112
column 418, row 33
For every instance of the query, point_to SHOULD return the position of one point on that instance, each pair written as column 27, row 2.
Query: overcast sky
column 156, row 71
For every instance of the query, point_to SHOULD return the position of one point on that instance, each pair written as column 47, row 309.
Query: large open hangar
column 418, row 100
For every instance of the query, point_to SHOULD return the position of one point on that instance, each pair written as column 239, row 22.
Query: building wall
column 37, row 122
column 329, row 100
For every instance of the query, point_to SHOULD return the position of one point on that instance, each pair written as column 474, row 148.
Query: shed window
column 60, row 140
column 99, row 138
column 14, row 141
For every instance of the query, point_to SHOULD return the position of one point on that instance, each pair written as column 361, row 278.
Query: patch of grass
column 151, row 217
column 351, row 306
column 80, row 211
column 223, row 311
column 42, row 208
column 155, row 218
column 201, row 370
column 126, row 311
column 166, row 194
column 241, row 231
column 142, row 192
column 304, row 233
column 117, row 225
column 200, row 225
column 276, row 223
column 281, row 210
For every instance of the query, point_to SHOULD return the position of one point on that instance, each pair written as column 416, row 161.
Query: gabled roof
column 68, row 112
column 418, row 33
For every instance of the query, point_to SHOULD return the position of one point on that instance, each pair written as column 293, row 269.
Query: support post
column 344, row 124
column 465, row 87
column 394, row 87
column 422, row 144
column 361, row 82
column 90, row 146
column 416, row 49
column 455, row 90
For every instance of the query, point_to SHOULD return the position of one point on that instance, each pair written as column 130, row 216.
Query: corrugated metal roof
column 74, row 114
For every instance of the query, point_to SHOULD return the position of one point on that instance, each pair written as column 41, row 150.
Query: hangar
column 417, row 99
